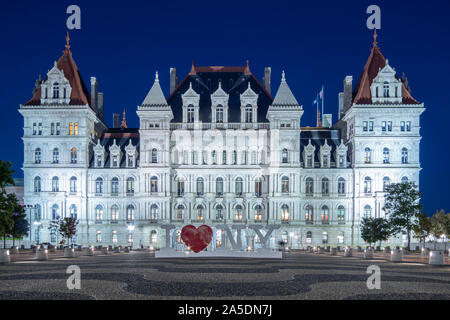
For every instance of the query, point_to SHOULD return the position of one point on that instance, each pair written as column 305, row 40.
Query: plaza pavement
column 299, row 276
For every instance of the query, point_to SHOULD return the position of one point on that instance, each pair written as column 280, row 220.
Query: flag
column 321, row 94
column 316, row 101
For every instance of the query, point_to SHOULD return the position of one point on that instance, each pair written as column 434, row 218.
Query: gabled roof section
column 155, row 97
column 376, row 62
column 284, row 96
column 80, row 94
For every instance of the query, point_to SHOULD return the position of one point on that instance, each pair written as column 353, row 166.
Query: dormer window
column 99, row 161
column 309, row 161
column 325, row 161
column 284, row 156
column 56, row 90
column 386, row 90
column 115, row 161
column 341, row 161
column 219, row 114
column 190, row 114
column 248, row 114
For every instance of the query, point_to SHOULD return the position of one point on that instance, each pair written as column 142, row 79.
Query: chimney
column 173, row 79
column 341, row 105
column 267, row 79
column 348, row 92
column 116, row 121
column 100, row 106
column 327, row 120
column 94, row 94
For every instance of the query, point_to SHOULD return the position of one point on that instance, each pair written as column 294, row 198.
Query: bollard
column 368, row 253
column 348, row 252
column 333, row 251
column 425, row 253
column 105, row 250
column 69, row 253
column 4, row 256
column 42, row 255
column 436, row 258
column 396, row 255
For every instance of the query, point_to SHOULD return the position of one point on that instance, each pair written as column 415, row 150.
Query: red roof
column 362, row 93
column 80, row 95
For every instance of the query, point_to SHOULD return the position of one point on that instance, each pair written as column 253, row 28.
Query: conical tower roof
column 284, row 96
column 155, row 97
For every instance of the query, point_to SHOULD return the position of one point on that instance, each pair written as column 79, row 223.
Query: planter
column 52, row 249
column 396, row 255
column 116, row 250
column 348, row 252
column 333, row 251
column 42, row 255
column 425, row 253
column 14, row 250
column 359, row 249
column 4, row 256
column 368, row 253
column 404, row 251
column 69, row 253
column 105, row 250
column 378, row 248
column 90, row 251
column 387, row 249
column 436, row 258
column 127, row 249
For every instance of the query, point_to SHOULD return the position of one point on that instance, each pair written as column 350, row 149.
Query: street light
column 31, row 218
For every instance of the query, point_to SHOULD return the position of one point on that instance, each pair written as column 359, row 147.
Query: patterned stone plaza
column 299, row 276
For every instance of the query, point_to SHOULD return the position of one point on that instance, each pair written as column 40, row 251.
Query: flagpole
column 323, row 98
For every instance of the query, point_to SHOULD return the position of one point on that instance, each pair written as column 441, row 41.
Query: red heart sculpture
column 197, row 239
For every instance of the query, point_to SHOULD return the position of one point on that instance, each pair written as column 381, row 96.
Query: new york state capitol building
column 219, row 150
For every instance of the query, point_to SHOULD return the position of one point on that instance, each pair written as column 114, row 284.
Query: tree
column 21, row 226
column 6, row 200
column 402, row 207
column 440, row 224
column 68, row 228
column 423, row 227
column 374, row 229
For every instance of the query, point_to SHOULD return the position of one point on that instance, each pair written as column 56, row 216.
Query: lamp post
column 30, row 207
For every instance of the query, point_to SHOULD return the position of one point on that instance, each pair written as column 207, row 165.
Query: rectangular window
column 402, row 126
column 40, row 128
column 408, row 126
column 383, row 126
column 365, row 126
column 70, row 129
column 58, row 128
column 341, row 161
column 309, row 161
column 76, row 129
column 34, row 129
column 389, row 126
column 52, row 129
column 371, row 126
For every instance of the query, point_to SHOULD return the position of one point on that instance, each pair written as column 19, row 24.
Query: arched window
column 56, row 155
column 37, row 184
column 325, row 215
column 200, row 187
column 285, row 216
column 130, row 213
column 130, row 185
column 325, row 187
column 200, row 212
column 99, row 186
column 180, row 212
column 309, row 237
column 386, row 90
column 99, row 213
column 219, row 212
column 239, row 186
column 234, row 157
column 324, row 237
column 180, row 187
column 404, row 155
column 309, row 187
column 367, row 211
column 37, row 213
column 340, row 238
column 73, row 185
column 37, row 156
column 153, row 237
column 115, row 186
column 248, row 114
column 219, row 186
column 154, row 156
column 114, row 213
column 55, row 212
column 219, row 113
column 238, row 216
column 367, row 185
column 341, row 215
column 258, row 213
column 190, row 114
column 367, row 155
column 73, row 212
column 55, row 184
column 284, row 156
column 285, row 185
column 341, row 186
column 98, row 237
column 214, row 157
column 154, row 184
column 386, row 155
column 56, row 90
column 73, row 155
column 404, row 180
column 154, row 212
column 386, row 183
column 114, row 237
column 258, row 187
column 309, row 215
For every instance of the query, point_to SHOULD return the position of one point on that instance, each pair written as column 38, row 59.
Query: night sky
column 316, row 42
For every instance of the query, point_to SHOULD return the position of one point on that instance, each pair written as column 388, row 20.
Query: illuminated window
column 99, row 213
column 114, row 237
column 73, row 156
column 70, row 128
column 154, row 212
column 285, row 185
column 76, row 128
column 309, row 215
column 239, row 185
column 238, row 216
column 114, row 213
column 341, row 215
column 258, row 213
column 285, row 216
column 325, row 215
column 37, row 156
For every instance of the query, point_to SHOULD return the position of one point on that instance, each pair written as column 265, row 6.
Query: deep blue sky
column 315, row 42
